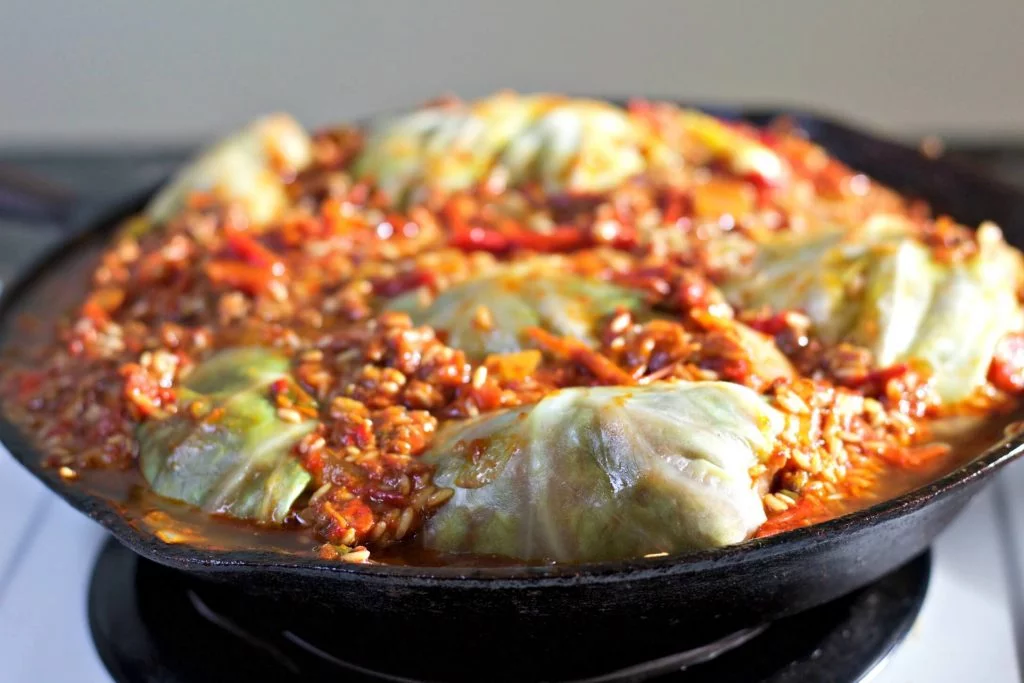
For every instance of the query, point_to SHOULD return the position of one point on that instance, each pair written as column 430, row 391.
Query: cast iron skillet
column 447, row 623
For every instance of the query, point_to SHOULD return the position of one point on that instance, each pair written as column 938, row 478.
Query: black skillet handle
column 35, row 213
column 27, row 198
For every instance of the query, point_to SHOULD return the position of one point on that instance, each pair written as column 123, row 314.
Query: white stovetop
column 965, row 632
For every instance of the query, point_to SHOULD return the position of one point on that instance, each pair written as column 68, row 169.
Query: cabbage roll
column 567, row 145
column 226, row 450
column 883, row 289
column 517, row 297
column 579, row 147
column 449, row 147
column 250, row 167
column 591, row 474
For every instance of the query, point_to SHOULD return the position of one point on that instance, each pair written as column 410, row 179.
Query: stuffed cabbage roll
column 226, row 450
column 250, row 167
column 516, row 297
column 579, row 147
column 448, row 147
column 567, row 145
column 884, row 289
column 592, row 474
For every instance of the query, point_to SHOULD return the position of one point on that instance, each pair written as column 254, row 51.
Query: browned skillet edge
column 96, row 224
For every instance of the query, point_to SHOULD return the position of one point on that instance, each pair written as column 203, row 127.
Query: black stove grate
column 152, row 624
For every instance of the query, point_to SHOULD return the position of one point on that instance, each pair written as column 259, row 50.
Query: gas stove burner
column 154, row 624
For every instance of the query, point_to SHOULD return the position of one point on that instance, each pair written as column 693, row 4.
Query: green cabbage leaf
column 235, row 458
column 591, row 474
column 525, row 295
column 883, row 289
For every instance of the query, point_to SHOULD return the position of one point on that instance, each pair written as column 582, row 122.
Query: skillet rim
column 95, row 223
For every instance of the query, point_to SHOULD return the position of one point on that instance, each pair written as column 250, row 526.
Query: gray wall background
column 95, row 71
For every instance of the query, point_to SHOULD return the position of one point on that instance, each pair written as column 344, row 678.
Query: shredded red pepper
column 248, row 249
column 578, row 352
column 248, row 278
column 806, row 512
